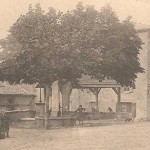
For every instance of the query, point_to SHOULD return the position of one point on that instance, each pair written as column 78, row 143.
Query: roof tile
column 14, row 90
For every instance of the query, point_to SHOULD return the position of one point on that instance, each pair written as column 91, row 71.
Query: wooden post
column 119, row 95
column 59, row 104
column 96, row 91
column 96, row 96
column 44, row 91
column 40, row 96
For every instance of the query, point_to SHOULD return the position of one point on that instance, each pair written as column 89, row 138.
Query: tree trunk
column 65, row 89
column 48, row 94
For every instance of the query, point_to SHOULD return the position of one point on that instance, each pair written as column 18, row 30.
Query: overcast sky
column 10, row 10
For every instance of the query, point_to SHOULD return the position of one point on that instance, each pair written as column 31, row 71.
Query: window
column 124, row 108
column 10, row 105
column 127, row 89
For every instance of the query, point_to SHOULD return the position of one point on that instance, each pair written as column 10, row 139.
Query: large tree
column 45, row 47
column 100, row 45
column 26, row 56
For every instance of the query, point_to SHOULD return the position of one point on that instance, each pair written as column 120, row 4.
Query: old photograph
column 74, row 75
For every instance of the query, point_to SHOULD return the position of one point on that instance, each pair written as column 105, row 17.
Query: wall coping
column 19, row 111
column 38, row 103
column 27, row 119
column 56, row 118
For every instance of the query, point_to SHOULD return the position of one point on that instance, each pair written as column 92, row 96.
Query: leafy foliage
column 44, row 47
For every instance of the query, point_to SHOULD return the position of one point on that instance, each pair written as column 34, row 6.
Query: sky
column 10, row 10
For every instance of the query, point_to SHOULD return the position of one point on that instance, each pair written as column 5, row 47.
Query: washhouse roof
column 14, row 90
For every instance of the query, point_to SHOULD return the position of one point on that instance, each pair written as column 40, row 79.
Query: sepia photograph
column 74, row 75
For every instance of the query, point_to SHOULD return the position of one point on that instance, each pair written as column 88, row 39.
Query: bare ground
column 134, row 136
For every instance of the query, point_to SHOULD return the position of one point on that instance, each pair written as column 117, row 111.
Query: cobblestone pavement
column 134, row 136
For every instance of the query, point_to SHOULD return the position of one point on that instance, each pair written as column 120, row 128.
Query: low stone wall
column 124, row 115
column 16, row 115
column 56, row 122
column 62, row 121
column 39, row 122
column 93, row 116
column 100, row 116
column 107, row 116
column 25, row 123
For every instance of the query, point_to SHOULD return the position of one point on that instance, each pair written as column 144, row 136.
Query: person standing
column 5, row 123
column 80, row 115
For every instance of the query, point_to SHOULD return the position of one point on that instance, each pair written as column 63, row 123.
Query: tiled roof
column 87, row 82
column 14, row 90
column 1, row 85
column 88, row 79
column 140, row 26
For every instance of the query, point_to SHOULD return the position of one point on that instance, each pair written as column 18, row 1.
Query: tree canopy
column 45, row 47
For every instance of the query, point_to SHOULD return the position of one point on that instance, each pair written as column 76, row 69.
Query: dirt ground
column 134, row 136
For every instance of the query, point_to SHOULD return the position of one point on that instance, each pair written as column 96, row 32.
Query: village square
column 75, row 75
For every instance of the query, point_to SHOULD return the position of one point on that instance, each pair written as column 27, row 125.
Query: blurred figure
column 94, row 109
column 5, row 123
column 109, row 109
column 80, row 115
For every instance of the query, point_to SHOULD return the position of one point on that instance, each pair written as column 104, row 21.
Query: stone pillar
column 39, row 117
column 148, row 102
column 119, row 94
column 40, row 109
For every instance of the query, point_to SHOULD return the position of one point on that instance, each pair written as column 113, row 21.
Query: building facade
column 16, row 98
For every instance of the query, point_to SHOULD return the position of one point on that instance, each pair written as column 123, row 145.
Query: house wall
column 19, row 102
column 16, row 115
column 3, row 103
column 139, row 95
column 148, row 77
column 24, row 102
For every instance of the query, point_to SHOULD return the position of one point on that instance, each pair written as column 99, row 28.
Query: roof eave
column 143, row 30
